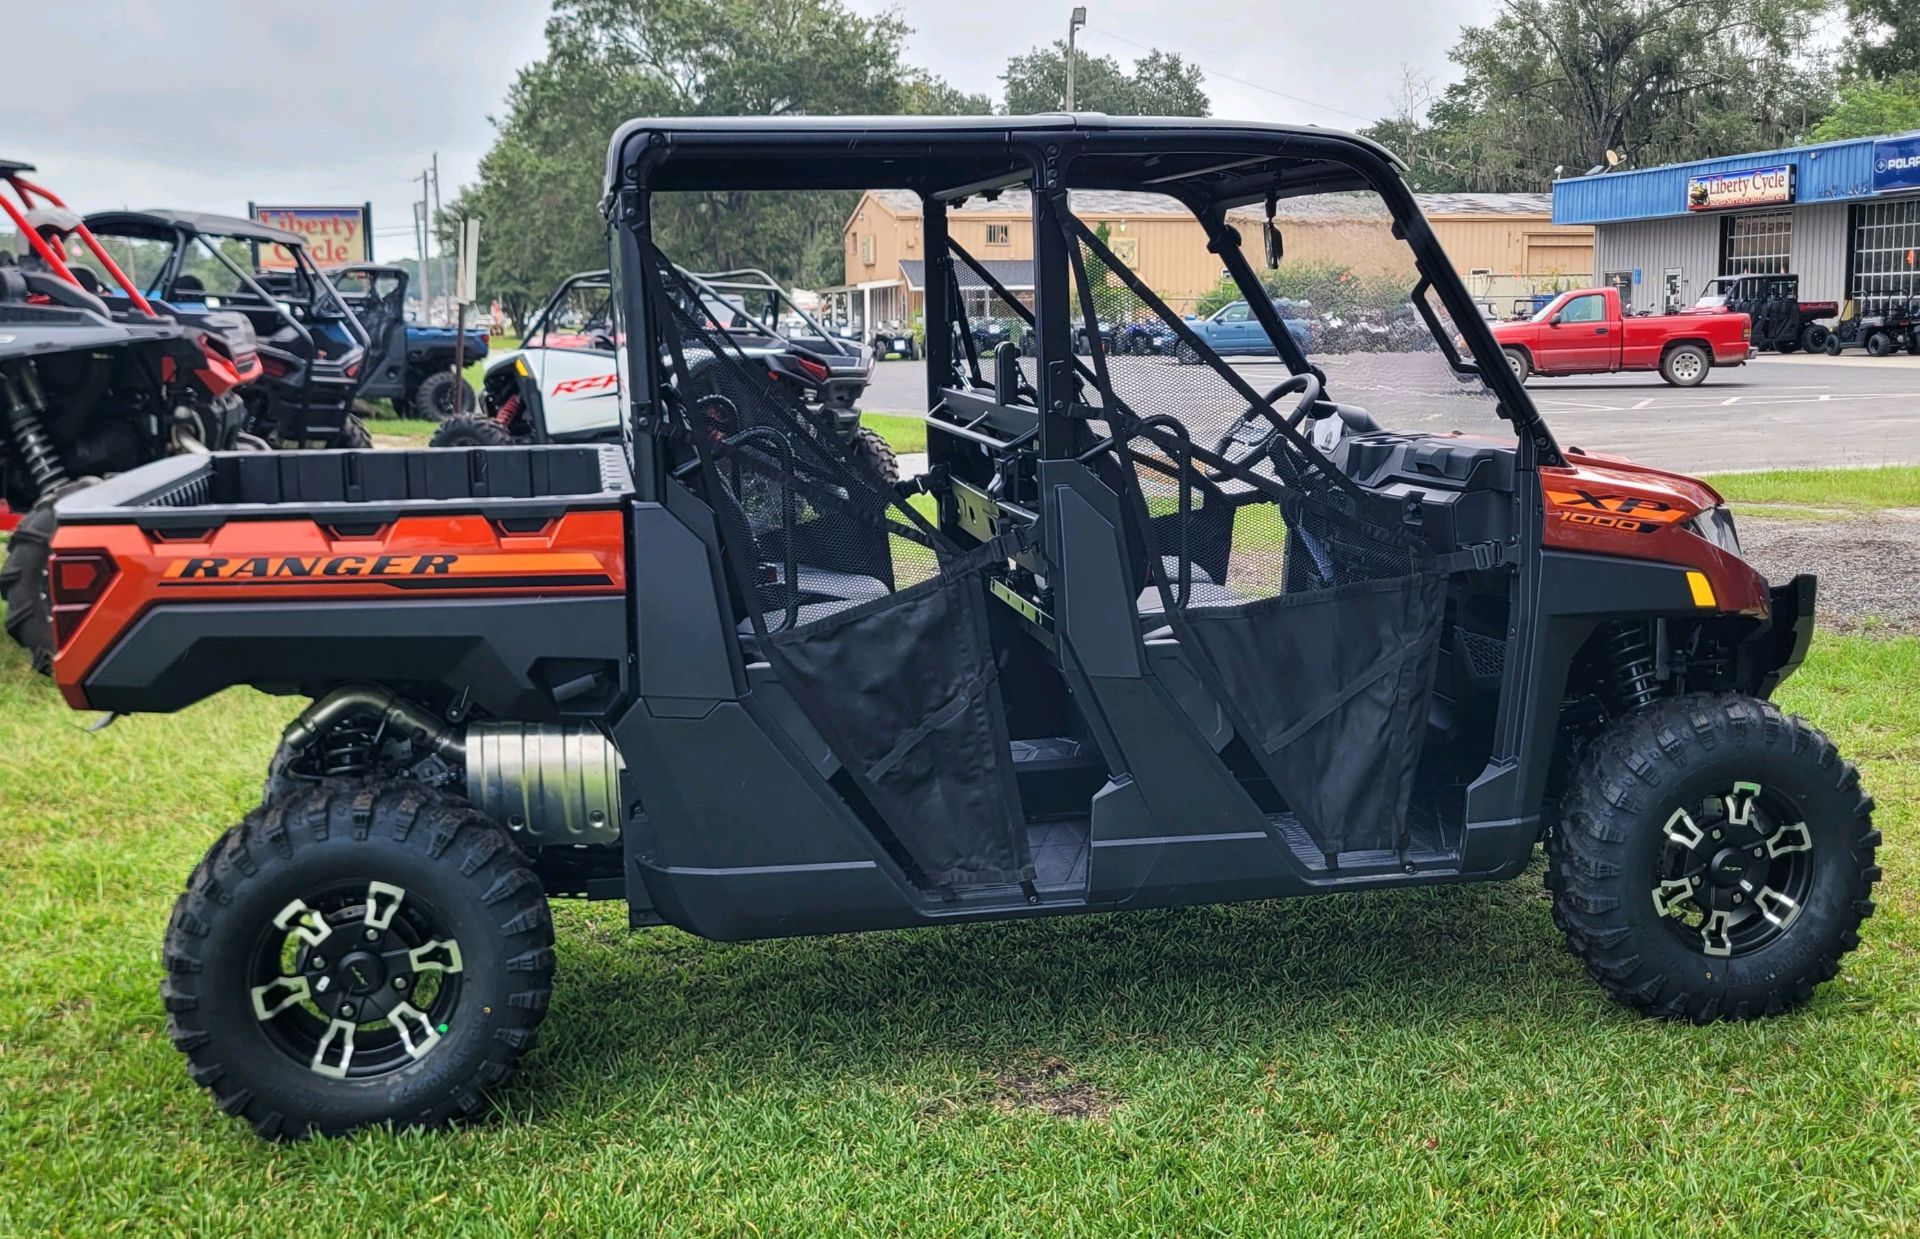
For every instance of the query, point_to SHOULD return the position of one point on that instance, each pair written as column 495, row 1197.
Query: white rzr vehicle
column 563, row 385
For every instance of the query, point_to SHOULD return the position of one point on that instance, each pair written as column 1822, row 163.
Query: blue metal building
column 1843, row 216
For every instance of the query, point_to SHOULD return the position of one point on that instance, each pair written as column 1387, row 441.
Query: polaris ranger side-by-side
column 1143, row 635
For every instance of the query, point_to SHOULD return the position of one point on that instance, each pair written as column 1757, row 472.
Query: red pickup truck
column 1583, row 332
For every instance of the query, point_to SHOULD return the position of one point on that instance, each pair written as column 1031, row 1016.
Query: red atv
column 86, row 391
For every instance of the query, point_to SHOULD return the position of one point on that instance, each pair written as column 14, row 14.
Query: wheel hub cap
column 1734, row 870
column 359, row 982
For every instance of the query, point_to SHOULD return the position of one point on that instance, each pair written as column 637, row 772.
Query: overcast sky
column 216, row 103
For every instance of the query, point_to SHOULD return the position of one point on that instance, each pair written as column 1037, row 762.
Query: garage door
column 1558, row 256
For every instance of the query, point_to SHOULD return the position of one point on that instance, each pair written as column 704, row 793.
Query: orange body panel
column 1603, row 505
column 424, row 557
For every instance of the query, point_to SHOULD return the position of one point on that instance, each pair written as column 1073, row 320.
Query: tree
column 1886, row 42
column 923, row 94
column 539, row 187
column 1868, row 106
column 1158, row 84
column 1559, row 83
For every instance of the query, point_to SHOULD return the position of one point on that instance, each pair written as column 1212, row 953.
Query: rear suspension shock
column 1630, row 656
column 26, row 413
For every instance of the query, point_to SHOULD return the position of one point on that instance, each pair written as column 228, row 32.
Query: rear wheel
column 357, row 954
column 1879, row 344
column 443, row 394
column 467, row 431
column 1713, row 859
column 1813, row 337
column 23, row 578
column 1685, row 365
column 355, row 433
column 874, row 456
column 1519, row 363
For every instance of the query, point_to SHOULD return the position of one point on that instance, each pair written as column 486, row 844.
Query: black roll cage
column 1209, row 166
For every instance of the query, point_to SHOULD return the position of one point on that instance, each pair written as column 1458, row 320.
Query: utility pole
column 426, row 251
column 433, row 217
column 1074, row 23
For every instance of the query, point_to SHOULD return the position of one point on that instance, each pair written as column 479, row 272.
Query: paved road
column 1777, row 412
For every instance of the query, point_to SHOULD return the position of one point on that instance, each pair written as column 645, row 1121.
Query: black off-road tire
column 1813, row 338
column 23, row 578
column 355, row 434
column 441, row 853
column 874, row 456
column 1612, row 826
column 1879, row 344
column 1686, row 365
column 471, row 431
column 1519, row 363
column 1185, row 354
column 1833, row 345
column 434, row 396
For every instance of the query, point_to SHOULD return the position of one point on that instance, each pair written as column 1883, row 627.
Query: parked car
column 1233, row 328
column 1583, row 332
column 409, row 364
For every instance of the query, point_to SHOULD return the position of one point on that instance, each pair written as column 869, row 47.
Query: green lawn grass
column 1890, row 486
column 903, row 434
column 1422, row 1062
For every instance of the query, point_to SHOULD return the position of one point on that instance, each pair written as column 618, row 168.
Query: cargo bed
column 184, row 493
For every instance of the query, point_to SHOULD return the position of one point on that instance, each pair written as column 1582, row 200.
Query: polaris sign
column 1747, row 187
column 1896, row 164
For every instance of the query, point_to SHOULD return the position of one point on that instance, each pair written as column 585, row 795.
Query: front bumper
column 1777, row 651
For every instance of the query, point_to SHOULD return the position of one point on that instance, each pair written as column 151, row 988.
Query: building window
column 999, row 234
column 866, row 248
column 1756, row 244
column 1886, row 242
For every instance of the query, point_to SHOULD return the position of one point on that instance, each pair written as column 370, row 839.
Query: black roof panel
column 198, row 221
column 939, row 154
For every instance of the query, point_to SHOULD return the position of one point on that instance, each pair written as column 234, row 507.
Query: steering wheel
column 1246, row 430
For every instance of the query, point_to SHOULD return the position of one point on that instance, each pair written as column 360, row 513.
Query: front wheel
column 357, row 954
column 1519, row 363
column 874, row 457
column 467, row 431
column 443, row 394
column 1713, row 859
column 1685, row 366
column 1185, row 354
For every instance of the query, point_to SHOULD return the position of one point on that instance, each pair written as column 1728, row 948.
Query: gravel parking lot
column 1868, row 564
column 1774, row 413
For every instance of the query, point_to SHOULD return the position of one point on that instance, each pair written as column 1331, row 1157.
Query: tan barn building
column 1505, row 246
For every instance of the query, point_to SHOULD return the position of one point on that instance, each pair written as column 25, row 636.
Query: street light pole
column 1074, row 23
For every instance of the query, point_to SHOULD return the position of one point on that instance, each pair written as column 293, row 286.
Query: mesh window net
column 1301, row 601
column 874, row 621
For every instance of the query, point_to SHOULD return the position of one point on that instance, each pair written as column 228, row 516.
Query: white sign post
column 465, row 285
